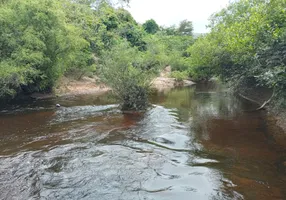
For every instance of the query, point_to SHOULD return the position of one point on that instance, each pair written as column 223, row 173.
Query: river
column 193, row 143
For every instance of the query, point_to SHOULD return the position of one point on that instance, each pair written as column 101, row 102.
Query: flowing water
column 193, row 143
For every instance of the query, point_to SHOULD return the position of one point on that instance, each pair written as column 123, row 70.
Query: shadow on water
column 193, row 143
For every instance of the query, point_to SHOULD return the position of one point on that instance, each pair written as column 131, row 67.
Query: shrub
column 123, row 70
column 179, row 76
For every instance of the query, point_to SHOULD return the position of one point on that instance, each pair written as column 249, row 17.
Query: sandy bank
column 71, row 87
column 165, row 83
column 86, row 85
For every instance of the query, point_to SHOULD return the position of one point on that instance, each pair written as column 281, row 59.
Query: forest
column 41, row 41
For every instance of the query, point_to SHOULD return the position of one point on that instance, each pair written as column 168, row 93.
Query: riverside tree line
column 41, row 41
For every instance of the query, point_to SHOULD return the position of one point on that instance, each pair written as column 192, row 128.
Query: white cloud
column 167, row 12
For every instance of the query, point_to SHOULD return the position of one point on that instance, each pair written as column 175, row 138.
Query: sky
column 170, row 12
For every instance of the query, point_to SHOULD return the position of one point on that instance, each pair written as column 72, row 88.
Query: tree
column 246, row 45
column 172, row 30
column 150, row 26
column 37, row 45
column 123, row 70
column 186, row 28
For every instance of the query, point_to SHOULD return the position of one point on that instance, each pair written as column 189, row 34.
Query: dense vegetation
column 246, row 47
column 40, row 41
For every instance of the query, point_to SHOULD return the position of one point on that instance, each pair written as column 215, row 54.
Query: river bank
column 71, row 87
column 86, row 85
column 92, row 85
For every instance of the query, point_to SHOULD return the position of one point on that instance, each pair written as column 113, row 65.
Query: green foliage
column 134, row 35
column 186, row 28
column 11, row 77
column 36, row 43
column 171, row 30
column 247, row 42
column 205, row 58
column 123, row 69
column 170, row 47
column 40, row 41
column 118, row 25
column 179, row 76
column 150, row 26
column 169, row 50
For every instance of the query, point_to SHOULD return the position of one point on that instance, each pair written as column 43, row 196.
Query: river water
column 193, row 143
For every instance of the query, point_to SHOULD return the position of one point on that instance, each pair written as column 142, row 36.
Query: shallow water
column 193, row 143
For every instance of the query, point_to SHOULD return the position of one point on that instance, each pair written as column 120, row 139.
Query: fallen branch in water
column 254, row 101
column 266, row 102
column 248, row 99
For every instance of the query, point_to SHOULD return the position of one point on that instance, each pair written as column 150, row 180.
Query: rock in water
column 58, row 105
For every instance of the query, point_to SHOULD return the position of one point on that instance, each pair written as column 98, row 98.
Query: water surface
column 193, row 143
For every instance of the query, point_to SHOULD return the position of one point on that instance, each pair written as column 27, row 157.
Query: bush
column 247, row 42
column 179, row 76
column 124, row 70
column 150, row 26
column 36, row 45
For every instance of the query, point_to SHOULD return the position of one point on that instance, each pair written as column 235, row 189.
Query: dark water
column 194, row 143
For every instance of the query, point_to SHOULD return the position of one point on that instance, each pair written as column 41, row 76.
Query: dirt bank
column 165, row 83
column 68, row 87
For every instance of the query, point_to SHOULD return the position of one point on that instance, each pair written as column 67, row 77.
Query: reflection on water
column 193, row 143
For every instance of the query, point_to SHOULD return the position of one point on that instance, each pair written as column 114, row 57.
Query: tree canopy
column 150, row 26
column 186, row 28
column 245, row 46
column 37, row 45
column 41, row 41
